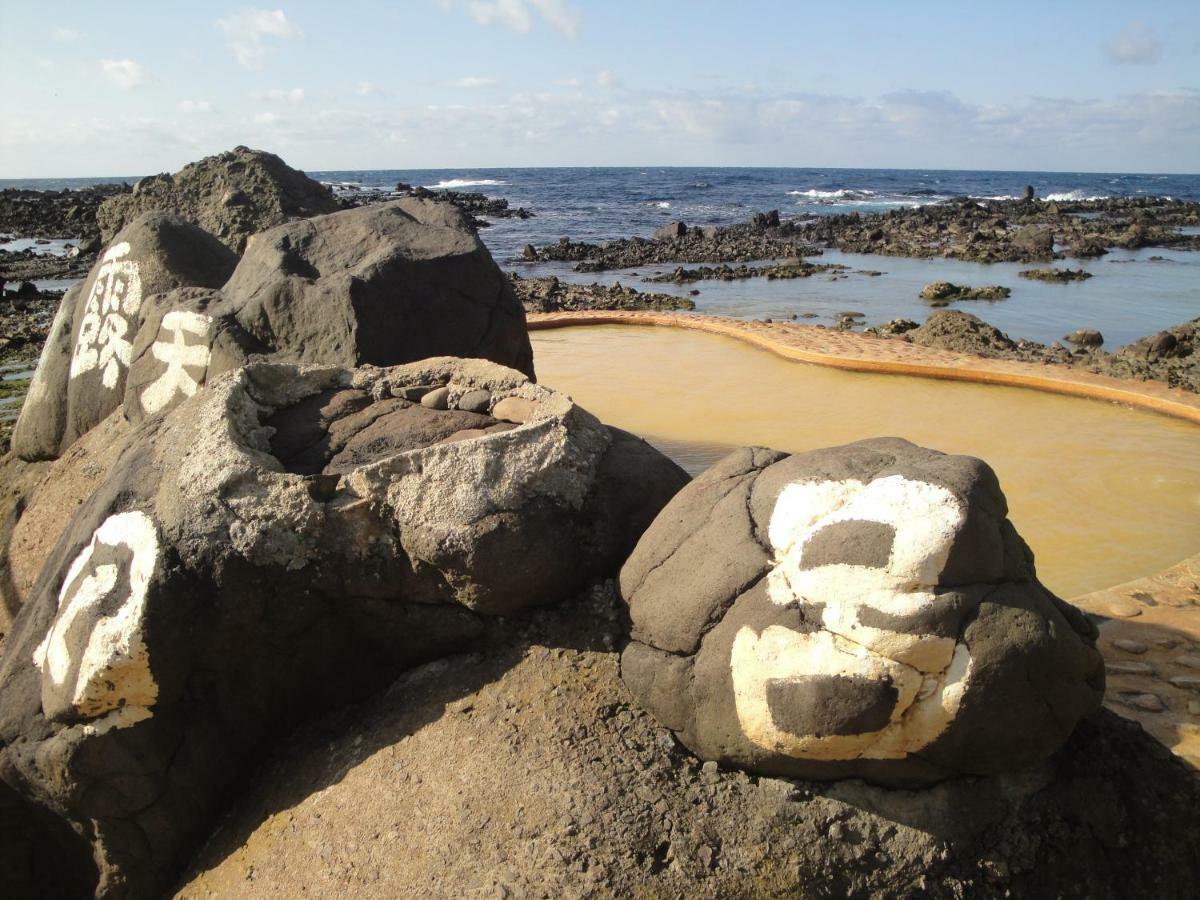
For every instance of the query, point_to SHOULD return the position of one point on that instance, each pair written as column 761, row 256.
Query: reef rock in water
column 865, row 610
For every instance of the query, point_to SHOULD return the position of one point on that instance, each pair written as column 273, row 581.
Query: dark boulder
column 383, row 284
column 859, row 611
column 961, row 332
column 81, row 375
column 671, row 232
column 280, row 544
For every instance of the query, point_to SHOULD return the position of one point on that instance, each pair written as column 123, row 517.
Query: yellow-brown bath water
column 1102, row 493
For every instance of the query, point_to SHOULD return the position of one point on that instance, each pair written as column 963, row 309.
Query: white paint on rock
column 114, row 663
column 929, row 672
column 104, row 340
column 173, row 348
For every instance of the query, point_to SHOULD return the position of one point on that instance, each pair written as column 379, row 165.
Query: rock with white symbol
column 863, row 611
column 82, row 373
column 279, row 543
column 380, row 285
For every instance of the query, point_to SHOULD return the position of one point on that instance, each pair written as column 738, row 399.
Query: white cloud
column 280, row 95
column 124, row 73
column 607, row 78
column 247, row 32
column 1135, row 44
column 366, row 88
column 518, row 15
column 568, row 82
column 473, row 81
column 66, row 35
column 266, row 118
column 194, row 106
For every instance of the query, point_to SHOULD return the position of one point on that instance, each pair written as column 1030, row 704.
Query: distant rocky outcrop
column 284, row 541
column 946, row 292
column 551, row 295
column 859, row 611
column 1059, row 276
column 232, row 195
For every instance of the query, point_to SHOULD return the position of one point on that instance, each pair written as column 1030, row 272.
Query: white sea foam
column 840, row 194
column 455, row 183
column 663, row 204
column 1066, row 196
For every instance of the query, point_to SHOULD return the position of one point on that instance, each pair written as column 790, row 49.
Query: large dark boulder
column 81, row 375
column 279, row 544
column 232, row 195
column 383, row 285
column 865, row 611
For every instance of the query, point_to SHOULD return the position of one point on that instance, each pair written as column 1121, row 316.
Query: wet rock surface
column 1171, row 356
column 858, row 611
column 794, row 268
column 170, row 639
column 756, row 240
column 69, row 213
column 978, row 230
column 1056, row 276
column 571, row 789
column 552, row 295
column 945, row 291
column 233, row 195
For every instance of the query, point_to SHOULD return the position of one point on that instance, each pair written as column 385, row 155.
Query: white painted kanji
column 173, row 348
column 928, row 672
column 104, row 340
column 98, row 632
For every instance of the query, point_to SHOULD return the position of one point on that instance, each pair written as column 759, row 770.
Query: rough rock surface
column 560, row 786
column 1171, row 356
column 948, row 291
column 80, row 377
column 69, row 213
column 953, row 330
column 39, row 501
column 383, row 285
column 552, row 295
column 232, row 195
column 981, row 230
column 282, row 543
column 865, row 610
column 1058, row 276
column 791, row 268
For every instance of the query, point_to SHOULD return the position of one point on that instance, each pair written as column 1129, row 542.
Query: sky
column 131, row 88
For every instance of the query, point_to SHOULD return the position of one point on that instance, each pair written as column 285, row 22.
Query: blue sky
column 138, row 87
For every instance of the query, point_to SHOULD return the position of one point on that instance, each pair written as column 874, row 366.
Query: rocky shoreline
column 1171, row 356
column 282, row 461
column 969, row 229
column 551, row 295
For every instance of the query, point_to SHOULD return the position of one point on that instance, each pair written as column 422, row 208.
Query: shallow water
column 1128, row 296
column 1102, row 493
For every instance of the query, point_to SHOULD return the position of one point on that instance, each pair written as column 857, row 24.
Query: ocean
column 1134, row 293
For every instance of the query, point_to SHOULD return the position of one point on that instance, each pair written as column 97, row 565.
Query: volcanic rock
column 859, row 611
column 81, row 375
column 279, row 544
column 383, row 285
column 232, row 195
column 945, row 290
column 954, row 330
column 1085, row 337
column 1060, row 276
